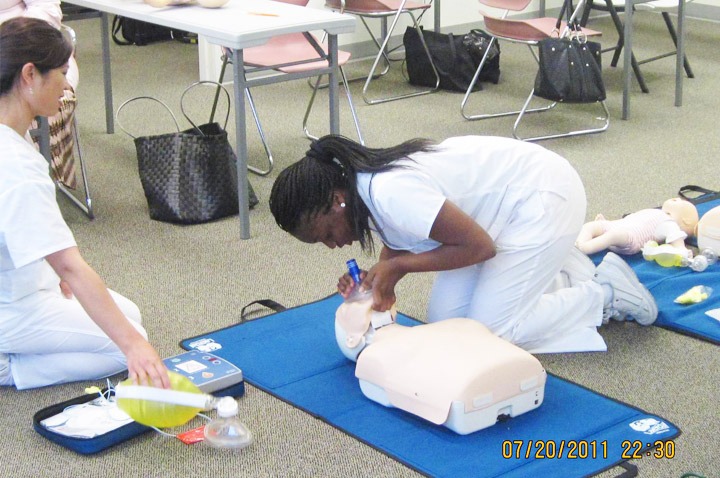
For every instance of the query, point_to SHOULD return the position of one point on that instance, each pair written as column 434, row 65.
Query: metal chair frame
column 322, row 56
column 531, row 44
column 42, row 134
column 614, row 10
column 383, row 52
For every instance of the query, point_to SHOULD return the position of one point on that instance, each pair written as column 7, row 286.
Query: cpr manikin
column 670, row 225
column 454, row 372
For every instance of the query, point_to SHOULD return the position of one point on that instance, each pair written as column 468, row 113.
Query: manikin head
column 683, row 212
column 355, row 325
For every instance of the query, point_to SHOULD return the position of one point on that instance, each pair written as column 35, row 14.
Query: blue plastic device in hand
column 354, row 271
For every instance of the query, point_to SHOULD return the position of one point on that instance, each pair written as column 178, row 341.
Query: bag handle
column 697, row 194
column 572, row 28
column 269, row 303
column 219, row 87
column 117, row 114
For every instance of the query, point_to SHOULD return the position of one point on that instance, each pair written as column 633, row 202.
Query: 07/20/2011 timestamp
column 555, row 449
column 585, row 449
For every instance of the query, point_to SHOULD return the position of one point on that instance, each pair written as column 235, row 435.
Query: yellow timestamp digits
column 636, row 449
column 554, row 449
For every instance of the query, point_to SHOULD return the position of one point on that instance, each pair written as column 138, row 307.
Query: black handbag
column 190, row 176
column 456, row 58
column 570, row 67
column 128, row 31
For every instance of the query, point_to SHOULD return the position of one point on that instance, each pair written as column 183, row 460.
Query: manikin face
column 331, row 228
column 683, row 212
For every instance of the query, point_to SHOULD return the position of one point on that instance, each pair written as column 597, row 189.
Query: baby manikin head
column 355, row 324
column 683, row 212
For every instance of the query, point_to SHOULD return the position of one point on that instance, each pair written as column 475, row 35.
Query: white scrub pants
column 517, row 294
column 52, row 340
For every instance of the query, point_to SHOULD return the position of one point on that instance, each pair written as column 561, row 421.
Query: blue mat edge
column 623, row 463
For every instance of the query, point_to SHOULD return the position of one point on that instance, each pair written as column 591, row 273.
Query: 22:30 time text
column 552, row 449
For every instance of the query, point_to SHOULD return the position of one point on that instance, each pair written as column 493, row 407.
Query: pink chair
column 290, row 53
column 385, row 9
column 528, row 32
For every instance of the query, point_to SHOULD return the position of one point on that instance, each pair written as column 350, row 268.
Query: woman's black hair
column 30, row 40
column 332, row 163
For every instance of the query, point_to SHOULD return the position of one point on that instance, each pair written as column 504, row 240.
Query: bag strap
column 572, row 28
column 219, row 87
column 269, row 303
column 117, row 25
column 117, row 114
column 697, row 194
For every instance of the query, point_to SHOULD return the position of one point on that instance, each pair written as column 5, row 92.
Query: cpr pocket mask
column 667, row 255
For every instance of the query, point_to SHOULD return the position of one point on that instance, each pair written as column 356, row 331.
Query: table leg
column 627, row 58
column 107, row 77
column 436, row 12
column 239, row 86
column 333, row 84
column 680, row 56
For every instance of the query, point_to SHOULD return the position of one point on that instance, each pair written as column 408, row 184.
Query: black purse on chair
column 570, row 67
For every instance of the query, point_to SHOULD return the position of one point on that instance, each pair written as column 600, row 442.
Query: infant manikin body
column 454, row 372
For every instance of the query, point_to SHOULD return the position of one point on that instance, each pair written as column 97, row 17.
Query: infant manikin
column 454, row 372
column 670, row 225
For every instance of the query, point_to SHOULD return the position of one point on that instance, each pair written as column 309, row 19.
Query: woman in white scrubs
column 496, row 217
column 58, row 321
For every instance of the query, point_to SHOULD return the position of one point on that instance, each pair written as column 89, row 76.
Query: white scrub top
column 31, row 225
column 487, row 177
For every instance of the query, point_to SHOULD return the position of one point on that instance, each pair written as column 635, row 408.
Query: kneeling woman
column 496, row 217
column 58, row 321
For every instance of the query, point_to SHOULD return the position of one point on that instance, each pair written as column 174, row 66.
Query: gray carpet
column 188, row 280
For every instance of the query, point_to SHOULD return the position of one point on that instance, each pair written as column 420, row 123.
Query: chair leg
column 86, row 205
column 673, row 35
column 350, row 102
column 618, row 48
column 385, row 56
column 251, row 104
column 473, row 117
column 605, row 119
column 383, row 48
column 43, row 138
column 266, row 145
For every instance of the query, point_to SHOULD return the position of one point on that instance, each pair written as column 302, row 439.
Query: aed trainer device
column 208, row 371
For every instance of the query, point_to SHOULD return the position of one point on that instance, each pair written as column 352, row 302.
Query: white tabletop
column 238, row 24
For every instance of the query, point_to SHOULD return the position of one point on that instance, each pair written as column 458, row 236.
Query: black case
column 88, row 446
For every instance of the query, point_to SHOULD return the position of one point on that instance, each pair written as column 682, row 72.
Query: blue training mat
column 293, row 355
column 666, row 283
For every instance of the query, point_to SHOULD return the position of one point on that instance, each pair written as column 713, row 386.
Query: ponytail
column 332, row 163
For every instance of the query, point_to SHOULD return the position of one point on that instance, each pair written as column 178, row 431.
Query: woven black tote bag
column 190, row 176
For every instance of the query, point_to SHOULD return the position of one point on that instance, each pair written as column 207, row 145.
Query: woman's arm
column 144, row 364
column 463, row 243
